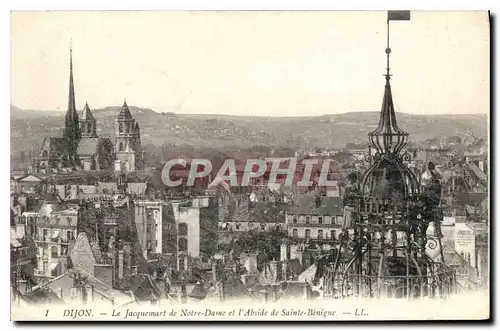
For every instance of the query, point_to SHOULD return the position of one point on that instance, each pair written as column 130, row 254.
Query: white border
column 7, row 6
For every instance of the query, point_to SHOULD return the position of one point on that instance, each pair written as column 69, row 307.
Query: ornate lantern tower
column 382, row 252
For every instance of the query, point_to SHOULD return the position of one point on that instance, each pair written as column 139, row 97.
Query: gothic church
column 81, row 148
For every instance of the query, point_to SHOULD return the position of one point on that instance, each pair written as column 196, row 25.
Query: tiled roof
column 90, row 146
column 142, row 285
column 310, row 204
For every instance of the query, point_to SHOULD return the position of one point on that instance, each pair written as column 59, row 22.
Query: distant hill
column 29, row 127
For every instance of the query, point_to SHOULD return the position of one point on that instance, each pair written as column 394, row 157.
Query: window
column 307, row 219
column 120, row 127
column 45, row 234
column 183, row 244
column 295, row 220
column 69, row 235
column 45, row 266
column 320, row 234
column 320, row 220
column 181, row 264
column 120, row 147
column 237, row 226
column 89, row 128
column 333, row 235
column 183, row 229
column 295, row 233
column 308, row 234
column 262, row 226
column 53, row 252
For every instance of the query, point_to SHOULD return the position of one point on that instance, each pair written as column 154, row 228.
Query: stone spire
column 72, row 127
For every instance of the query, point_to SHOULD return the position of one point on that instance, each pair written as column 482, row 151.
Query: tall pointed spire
column 124, row 112
column 388, row 138
column 72, row 126
column 71, row 96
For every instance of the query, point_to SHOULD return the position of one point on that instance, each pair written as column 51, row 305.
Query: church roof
column 124, row 112
column 90, row 146
column 86, row 113
column 55, row 146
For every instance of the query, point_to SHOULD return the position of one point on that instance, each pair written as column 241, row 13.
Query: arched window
column 308, row 234
column 320, row 234
column 89, row 128
column 183, row 245
column 183, row 229
column 295, row 233
column 53, row 251
column 120, row 127
column 121, row 147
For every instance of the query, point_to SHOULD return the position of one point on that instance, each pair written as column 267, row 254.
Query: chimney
column 120, row 264
column 275, row 270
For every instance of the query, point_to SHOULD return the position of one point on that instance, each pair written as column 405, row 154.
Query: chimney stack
column 120, row 264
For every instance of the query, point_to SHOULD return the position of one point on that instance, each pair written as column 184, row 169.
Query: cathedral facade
column 80, row 148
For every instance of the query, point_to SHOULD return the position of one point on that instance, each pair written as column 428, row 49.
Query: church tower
column 128, row 148
column 72, row 127
column 87, row 123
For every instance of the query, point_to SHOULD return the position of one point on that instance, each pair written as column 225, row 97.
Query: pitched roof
column 90, row 146
column 30, row 178
column 41, row 295
column 142, row 285
column 124, row 112
column 56, row 146
column 86, row 113
column 310, row 204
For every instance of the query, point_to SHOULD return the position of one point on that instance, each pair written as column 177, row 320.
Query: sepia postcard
column 250, row 165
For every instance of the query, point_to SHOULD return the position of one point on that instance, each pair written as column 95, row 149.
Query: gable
column 30, row 178
column 82, row 256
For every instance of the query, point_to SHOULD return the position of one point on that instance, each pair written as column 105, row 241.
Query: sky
column 251, row 63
